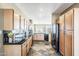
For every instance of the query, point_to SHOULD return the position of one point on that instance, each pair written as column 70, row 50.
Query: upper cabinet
column 61, row 22
column 10, row 20
column 69, row 20
column 6, row 19
column 1, row 19
column 16, row 22
column 22, row 23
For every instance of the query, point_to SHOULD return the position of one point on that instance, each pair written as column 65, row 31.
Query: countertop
column 16, row 43
column 41, row 33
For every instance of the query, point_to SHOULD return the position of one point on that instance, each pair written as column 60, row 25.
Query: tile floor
column 42, row 49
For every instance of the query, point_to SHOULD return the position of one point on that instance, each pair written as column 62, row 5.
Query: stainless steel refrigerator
column 55, row 37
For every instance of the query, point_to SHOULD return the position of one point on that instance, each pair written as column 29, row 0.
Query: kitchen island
column 18, row 48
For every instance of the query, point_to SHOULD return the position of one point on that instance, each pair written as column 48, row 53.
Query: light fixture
column 41, row 9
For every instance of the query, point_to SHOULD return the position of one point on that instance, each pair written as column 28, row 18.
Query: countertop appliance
column 5, row 36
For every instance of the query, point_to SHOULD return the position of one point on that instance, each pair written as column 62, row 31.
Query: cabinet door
column 30, row 42
column 68, row 43
column 12, row 50
column 69, row 20
column 8, row 19
column 62, row 43
column 35, row 37
column 24, row 49
column 40, row 36
column 1, row 19
column 16, row 21
column 22, row 23
column 28, row 46
column 61, row 22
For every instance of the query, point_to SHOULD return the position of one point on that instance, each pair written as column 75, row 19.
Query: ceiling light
column 41, row 9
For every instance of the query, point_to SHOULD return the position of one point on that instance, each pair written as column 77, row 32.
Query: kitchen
column 38, row 29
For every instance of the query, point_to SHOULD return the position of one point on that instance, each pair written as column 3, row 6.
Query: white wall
column 42, row 20
column 11, row 6
column 40, row 13
column 1, row 44
column 76, row 32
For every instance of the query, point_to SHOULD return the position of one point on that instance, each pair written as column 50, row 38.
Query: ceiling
column 35, row 9
column 41, row 12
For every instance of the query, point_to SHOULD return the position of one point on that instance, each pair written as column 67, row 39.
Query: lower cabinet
column 27, row 48
column 23, row 47
column 68, row 43
column 62, row 43
column 38, row 37
column 18, row 49
column 29, row 44
column 12, row 50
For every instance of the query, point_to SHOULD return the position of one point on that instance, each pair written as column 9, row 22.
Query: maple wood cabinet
column 62, row 40
column 22, row 23
column 24, row 51
column 12, row 50
column 68, row 43
column 29, row 44
column 38, row 36
column 16, row 21
column 9, row 20
column 18, row 49
column 62, row 22
column 66, row 33
column 62, row 43
column 69, row 39
column 69, row 32
column 6, row 19
column 69, row 20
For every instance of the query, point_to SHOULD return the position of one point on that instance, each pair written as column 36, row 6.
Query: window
column 42, row 28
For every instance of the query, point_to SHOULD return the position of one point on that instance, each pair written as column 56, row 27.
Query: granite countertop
column 39, row 33
column 17, row 43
